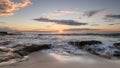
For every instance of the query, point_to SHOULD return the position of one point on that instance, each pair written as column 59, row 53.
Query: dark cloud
column 80, row 29
column 113, row 16
column 7, row 6
column 108, row 19
column 92, row 13
column 63, row 22
column 114, row 24
column 111, row 24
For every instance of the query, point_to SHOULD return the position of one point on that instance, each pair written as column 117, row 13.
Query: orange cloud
column 7, row 6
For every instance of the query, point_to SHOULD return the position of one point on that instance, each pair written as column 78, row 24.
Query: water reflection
column 73, row 58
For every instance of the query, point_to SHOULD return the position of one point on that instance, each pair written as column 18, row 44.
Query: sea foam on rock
column 82, row 44
column 117, row 45
column 98, row 48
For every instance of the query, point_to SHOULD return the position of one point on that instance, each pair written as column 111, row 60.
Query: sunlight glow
column 61, row 31
column 57, row 57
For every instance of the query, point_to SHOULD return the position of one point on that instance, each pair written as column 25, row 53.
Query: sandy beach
column 52, row 60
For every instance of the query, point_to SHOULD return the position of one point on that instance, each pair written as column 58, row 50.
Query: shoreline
column 52, row 60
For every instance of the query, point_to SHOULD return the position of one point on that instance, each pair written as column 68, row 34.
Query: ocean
column 60, row 45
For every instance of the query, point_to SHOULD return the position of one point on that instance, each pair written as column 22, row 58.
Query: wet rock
column 9, row 57
column 100, row 50
column 117, row 45
column 89, row 46
column 36, row 47
column 116, row 53
column 18, row 47
column 25, row 50
column 82, row 44
column 20, row 51
column 6, row 54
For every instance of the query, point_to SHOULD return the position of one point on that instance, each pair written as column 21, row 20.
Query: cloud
column 113, row 16
column 80, row 29
column 82, row 13
column 7, row 6
column 92, row 13
column 114, row 24
column 52, row 14
column 68, row 11
column 95, row 25
column 111, row 24
column 63, row 22
column 61, row 12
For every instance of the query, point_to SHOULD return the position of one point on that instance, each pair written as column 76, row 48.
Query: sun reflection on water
column 72, row 58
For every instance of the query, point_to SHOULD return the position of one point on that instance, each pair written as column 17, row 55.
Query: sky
column 57, row 15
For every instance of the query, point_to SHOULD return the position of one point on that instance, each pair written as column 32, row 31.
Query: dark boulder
column 116, row 53
column 35, row 47
column 7, row 58
column 117, row 45
column 81, row 44
column 92, row 42
column 25, row 50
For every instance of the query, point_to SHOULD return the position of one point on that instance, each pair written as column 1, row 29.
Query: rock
column 116, row 53
column 9, row 57
column 82, row 44
column 18, row 47
column 20, row 51
column 36, row 47
column 25, row 50
column 100, row 50
column 91, row 47
column 6, row 54
column 88, row 45
column 117, row 45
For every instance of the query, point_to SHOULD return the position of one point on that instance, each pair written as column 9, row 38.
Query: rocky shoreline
column 20, row 51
